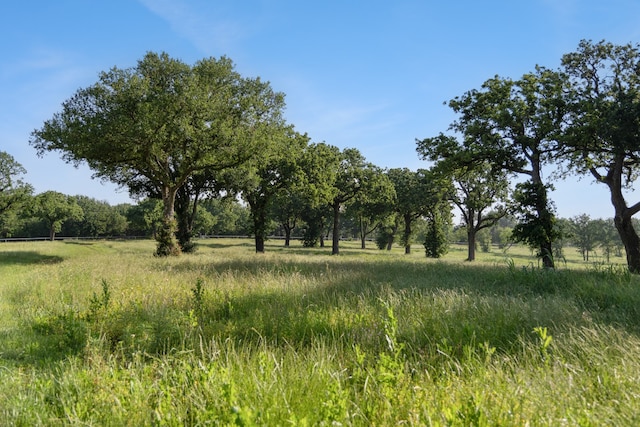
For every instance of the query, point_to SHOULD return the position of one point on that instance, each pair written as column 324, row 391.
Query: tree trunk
column 390, row 243
column 363, row 235
column 259, row 244
column 166, row 237
column 52, row 233
column 394, row 230
column 471, row 242
column 623, row 222
column 545, row 215
column 289, row 226
column 407, row 234
column 287, row 236
column 335, row 247
column 630, row 240
column 623, row 214
column 259, row 213
column 185, row 213
column 546, row 249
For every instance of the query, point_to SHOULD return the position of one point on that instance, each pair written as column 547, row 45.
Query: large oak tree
column 54, row 208
column 514, row 125
column 160, row 122
column 352, row 172
column 374, row 204
column 417, row 193
column 260, row 180
column 603, row 133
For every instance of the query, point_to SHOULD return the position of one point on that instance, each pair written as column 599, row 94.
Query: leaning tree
column 160, row 122
column 602, row 137
column 513, row 125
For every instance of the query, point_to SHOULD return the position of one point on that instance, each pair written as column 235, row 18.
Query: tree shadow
column 28, row 258
column 78, row 243
column 494, row 297
column 343, row 299
column 210, row 243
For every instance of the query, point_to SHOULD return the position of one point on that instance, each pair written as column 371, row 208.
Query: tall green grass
column 103, row 333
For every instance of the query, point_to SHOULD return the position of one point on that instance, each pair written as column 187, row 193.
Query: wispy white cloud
column 209, row 34
column 350, row 123
column 39, row 59
column 562, row 9
column 36, row 82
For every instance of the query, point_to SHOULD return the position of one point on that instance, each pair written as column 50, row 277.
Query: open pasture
column 103, row 333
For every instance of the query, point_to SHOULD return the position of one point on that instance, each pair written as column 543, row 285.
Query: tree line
column 51, row 213
column 385, row 220
column 183, row 134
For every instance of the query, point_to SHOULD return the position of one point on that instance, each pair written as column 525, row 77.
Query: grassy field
column 103, row 333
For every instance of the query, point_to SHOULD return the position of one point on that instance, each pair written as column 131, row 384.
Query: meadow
column 103, row 333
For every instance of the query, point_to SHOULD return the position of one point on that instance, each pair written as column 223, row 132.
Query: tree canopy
column 13, row 190
column 513, row 125
column 602, row 134
column 160, row 122
column 54, row 209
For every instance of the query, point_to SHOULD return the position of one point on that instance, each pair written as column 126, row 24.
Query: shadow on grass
column 342, row 300
column 213, row 244
column 27, row 258
column 482, row 303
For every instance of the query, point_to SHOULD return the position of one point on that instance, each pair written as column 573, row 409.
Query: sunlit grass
column 104, row 333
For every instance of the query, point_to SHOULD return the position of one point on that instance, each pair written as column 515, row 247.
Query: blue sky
column 373, row 74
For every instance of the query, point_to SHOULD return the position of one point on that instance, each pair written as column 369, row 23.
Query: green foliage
column 197, row 293
column 417, row 194
column 276, row 170
column 14, row 192
column 511, row 125
column 63, row 334
column 54, row 209
column 352, row 173
column 544, row 342
column 155, row 126
column 99, row 305
column 537, row 222
column 317, row 223
column 484, row 240
column 601, row 136
column 166, row 237
column 231, row 218
column 387, row 232
column 374, row 204
column 99, row 219
column 436, row 239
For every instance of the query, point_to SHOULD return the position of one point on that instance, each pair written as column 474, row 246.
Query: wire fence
column 70, row 238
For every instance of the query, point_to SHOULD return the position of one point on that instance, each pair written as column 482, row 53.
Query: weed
column 61, row 334
column 334, row 407
column 100, row 304
column 197, row 294
column 544, row 342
